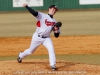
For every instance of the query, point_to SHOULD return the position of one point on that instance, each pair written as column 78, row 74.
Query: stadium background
column 66, row 7
column 78, row 45
column 7, row 5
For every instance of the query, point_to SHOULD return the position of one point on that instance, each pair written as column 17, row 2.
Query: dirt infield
column 63, row 45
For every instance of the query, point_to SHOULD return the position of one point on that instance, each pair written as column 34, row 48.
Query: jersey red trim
column 38, row 24
column 49, row 23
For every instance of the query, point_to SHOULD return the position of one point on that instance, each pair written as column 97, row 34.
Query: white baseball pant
column 36, row 41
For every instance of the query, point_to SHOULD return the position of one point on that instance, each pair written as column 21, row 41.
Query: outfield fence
column 8, row 5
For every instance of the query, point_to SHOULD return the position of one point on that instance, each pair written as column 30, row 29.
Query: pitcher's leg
column 49, row 45
column 34, row 44
column 27, row 52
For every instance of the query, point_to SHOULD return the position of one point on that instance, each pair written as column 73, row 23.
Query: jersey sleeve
column 39, row 16
column 32, row 11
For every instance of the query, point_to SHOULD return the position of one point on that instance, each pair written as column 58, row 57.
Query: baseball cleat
column 19, row 60
column 53, row 68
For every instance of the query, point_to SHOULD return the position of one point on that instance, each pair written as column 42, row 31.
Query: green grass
column 93, row 59
column 82, row 58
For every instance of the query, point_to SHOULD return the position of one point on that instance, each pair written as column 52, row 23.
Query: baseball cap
column 53, row 6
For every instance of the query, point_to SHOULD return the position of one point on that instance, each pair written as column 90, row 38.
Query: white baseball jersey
column 44, row 24
column 44, row 27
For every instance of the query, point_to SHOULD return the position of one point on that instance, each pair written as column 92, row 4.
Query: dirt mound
column 38, row 66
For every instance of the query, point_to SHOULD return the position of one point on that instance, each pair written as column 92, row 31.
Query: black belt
column 42, row 36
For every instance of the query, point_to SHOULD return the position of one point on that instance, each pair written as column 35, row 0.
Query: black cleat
column 53, row 68
column 19, row 60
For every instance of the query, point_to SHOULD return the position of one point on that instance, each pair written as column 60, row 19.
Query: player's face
column 52, row 11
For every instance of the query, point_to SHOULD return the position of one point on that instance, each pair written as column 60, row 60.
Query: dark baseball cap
column 53, row 6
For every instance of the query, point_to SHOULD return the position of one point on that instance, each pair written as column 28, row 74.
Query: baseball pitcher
column 45, row 24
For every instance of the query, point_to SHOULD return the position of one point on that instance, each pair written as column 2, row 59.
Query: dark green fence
column 7, row 5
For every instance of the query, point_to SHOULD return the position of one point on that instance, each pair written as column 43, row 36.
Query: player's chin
column 53, row 13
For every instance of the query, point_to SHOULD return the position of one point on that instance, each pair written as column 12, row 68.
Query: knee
column 28, row 51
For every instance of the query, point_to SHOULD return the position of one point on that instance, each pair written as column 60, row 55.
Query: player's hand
column 24, row 5
column 56, row 29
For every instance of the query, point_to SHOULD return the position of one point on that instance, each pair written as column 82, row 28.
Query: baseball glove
column 57, row 26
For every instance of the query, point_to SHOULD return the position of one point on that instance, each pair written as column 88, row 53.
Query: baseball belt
column 42, row 36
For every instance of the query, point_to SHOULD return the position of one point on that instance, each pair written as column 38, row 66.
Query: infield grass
column 92, row 59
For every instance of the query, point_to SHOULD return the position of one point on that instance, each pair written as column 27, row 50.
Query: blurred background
column 79, row 17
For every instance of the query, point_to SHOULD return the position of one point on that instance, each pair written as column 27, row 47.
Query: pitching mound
column 38, row 66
